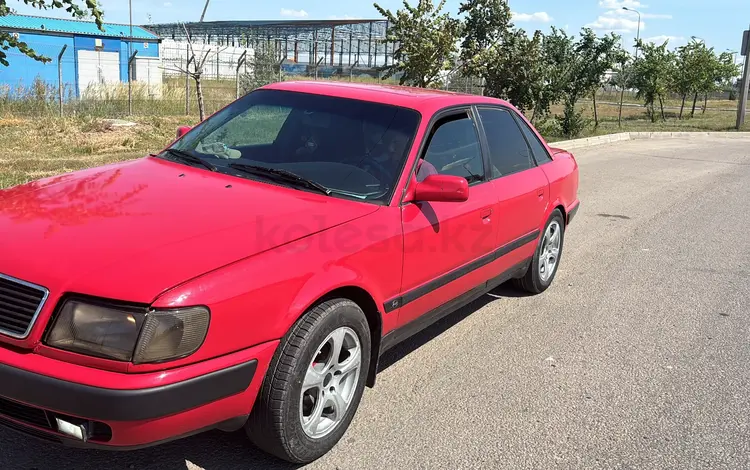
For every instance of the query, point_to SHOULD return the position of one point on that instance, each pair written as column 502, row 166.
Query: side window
column 508, row 150
column 453, row 149
column 258, row 125
column 540, row 152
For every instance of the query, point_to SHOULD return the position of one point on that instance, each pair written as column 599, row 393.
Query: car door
column 521, row 187
column 448, row 245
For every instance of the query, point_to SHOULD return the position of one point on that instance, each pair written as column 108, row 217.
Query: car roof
column 421, row 99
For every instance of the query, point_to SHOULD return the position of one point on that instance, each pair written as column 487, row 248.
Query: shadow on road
column 423, row 337
column 212, row 450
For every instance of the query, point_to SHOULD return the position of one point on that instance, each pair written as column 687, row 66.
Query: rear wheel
column 314, row 383
column 546, row 258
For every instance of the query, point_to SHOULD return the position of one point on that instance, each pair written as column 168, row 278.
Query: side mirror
column 182, row 130
column 446, row 188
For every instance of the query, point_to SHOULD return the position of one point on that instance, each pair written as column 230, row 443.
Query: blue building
column 92, row 56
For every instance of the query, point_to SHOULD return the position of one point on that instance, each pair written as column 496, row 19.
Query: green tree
column 577, row 68
column 721, row 72
column 704, row 65
column 516, row 72
column 508, row 61
column 559, row 55
column 597, row 56
column 426, row 42
column 727, row 71
column 687, row 72
column 264, row 69
column 708, row 64
column 652, row 74
column 621, row 78
column 8, row 42
column 487, row 24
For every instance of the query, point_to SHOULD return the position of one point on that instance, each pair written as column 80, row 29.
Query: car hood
column 132, row 230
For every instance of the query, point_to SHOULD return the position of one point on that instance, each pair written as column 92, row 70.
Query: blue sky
column 718, row 22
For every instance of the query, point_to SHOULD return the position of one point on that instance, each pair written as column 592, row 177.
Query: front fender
column 333, row 278
column 258, row 299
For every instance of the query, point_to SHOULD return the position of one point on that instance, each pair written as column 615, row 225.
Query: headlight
column 129, row 334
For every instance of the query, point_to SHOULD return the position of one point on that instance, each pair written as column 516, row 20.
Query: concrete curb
column 607, row 139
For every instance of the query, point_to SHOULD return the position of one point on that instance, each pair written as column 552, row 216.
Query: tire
column 534, row 281
column 276, row 421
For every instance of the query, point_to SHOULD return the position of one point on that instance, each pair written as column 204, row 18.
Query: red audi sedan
column 252, row 273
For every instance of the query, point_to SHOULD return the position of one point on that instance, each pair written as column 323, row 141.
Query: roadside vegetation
column 548, row 75
column 567, row 85
column 35, row 148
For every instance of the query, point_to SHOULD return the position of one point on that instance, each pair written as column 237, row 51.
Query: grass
column 634, row 119
column 38, row 144
column 37, row 148
column 42, row 99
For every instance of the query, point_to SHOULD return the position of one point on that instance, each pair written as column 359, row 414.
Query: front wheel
column 546, row 258
column 314, row 383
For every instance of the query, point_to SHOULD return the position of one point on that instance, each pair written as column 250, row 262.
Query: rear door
column 561, row 171
column 520, row 185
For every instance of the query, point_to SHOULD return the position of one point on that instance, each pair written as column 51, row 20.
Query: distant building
column 92, row 57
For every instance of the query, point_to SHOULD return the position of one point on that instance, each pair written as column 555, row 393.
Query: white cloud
column 540, row 16
column 618, row 4
column 661, row 38
column 167, row 4
column 618, row 25
column 293, row 13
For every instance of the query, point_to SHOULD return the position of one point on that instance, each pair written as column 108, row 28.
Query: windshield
column 355, row 149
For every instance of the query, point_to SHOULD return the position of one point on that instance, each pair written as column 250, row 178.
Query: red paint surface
column 167, row 235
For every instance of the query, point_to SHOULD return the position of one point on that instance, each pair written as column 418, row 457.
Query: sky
column 717, row 22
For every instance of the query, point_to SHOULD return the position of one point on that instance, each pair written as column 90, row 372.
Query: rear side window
column 454, row 149
column 540, row 152
column 509, row 152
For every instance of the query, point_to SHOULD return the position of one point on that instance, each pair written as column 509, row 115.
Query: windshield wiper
column 190, row 158
column 281, row 175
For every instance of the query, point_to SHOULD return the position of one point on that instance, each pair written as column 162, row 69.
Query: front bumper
column 131, row 416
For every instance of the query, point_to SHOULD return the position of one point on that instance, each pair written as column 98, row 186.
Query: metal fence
column 162, row 86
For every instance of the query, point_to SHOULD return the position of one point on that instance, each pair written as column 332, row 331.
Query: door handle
column 485, row 213
column 540, row 192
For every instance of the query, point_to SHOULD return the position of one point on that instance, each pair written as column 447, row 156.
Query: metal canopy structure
column 344, row 43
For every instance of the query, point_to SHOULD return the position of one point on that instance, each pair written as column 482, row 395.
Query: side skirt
column 397, row 336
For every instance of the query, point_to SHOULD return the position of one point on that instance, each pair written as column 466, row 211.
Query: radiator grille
column 20, row 303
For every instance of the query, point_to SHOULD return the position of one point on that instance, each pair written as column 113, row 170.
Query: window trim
column 467, row 108
column 521, row 123
column 514, row 118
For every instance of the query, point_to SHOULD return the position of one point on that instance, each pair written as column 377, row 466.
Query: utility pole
column 742, row 105
column 638, row 31
column 203, row 15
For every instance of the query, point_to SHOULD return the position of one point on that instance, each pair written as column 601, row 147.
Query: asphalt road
column 636, row 357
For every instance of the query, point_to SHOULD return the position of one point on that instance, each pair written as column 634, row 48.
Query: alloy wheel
column 330, row 382
column 549, row 253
